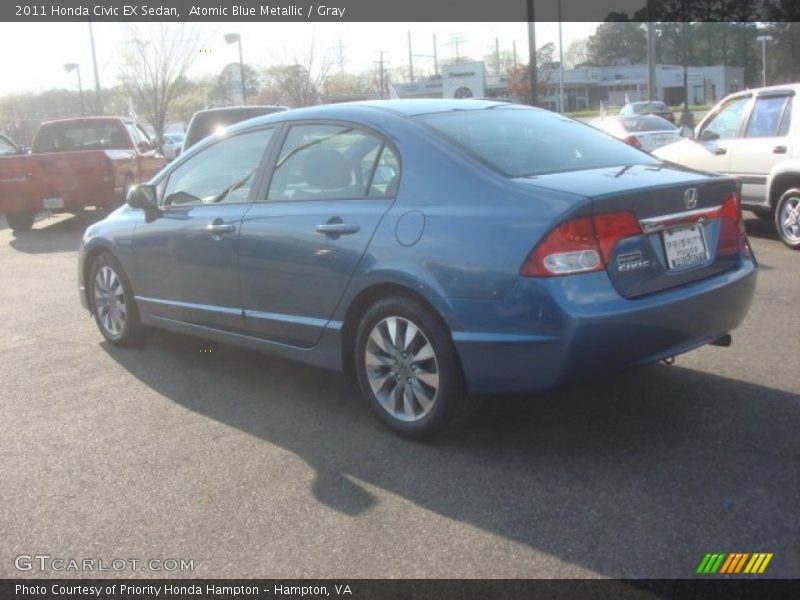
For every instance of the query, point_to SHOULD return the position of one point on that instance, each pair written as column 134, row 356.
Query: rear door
column 186, row 259
column 303, row 238
column 765, row 142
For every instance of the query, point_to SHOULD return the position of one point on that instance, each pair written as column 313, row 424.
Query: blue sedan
column 434, row 248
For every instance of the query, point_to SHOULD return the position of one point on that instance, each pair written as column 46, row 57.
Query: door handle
column 217, row 229
column 720, row 151
column 779, row 150
column 338, row 228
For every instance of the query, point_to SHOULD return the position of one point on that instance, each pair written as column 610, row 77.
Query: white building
column 586, row 87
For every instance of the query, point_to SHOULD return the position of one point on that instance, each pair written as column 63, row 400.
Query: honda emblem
column 690, row 198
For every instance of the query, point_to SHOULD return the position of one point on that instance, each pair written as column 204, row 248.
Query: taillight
column 633, row 141
column 580, row 245
column 732, row 235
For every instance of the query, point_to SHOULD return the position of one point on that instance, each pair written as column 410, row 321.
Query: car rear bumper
column 554, row 330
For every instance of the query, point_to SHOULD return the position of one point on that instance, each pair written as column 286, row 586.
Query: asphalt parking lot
column 254, row 466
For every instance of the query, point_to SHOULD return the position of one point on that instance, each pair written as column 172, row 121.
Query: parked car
column 646, row 132
column 172, row 145
column 8, row 147
column 76, row 163
column 752, row 136
column 206, row 122
column 433, row 247
column 632, row 109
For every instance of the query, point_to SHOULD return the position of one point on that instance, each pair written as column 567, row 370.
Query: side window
column 786, row 119
column 725, row 124
column 386, row 178
column 6, row 148
column 223, row 172
column 766, row 117
column 326, row 162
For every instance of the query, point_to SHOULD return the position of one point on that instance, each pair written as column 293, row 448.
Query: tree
column 575, row 54
column 221, row 92
column 618, row 40
column 154, row 70
column 519, row 86
column 291, row 85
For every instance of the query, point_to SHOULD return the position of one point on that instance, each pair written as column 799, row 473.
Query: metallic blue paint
column 280, row 287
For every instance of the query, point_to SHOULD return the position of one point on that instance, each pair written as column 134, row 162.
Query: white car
column 173, row 143
column 753, row 136
column 646, row 132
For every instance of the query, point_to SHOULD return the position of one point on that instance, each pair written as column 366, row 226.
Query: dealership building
column 585, row 88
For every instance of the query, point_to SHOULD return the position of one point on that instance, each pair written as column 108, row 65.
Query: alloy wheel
column 402, row 369
column 109, row 301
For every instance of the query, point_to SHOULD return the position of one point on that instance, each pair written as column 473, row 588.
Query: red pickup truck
column 76, row 163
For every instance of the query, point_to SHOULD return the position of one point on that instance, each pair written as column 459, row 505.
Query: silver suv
column 751, row 135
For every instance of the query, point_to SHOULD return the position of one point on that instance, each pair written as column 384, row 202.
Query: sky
column 39, row 65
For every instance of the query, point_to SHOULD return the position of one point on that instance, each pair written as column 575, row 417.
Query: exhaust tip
column 725, row 341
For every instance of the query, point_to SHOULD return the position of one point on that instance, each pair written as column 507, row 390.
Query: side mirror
column 687, row 132
column 708, row 136
column 143, row 196
column 144, row 146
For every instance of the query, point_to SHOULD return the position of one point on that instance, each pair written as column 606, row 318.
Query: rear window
column 650, row 107
column 525, row 143
column 207, row 122
column 81, row 136
column 647, row 123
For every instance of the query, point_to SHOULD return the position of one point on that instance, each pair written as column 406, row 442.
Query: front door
column 186, row 259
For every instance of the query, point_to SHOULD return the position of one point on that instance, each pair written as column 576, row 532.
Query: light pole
column 69, row 67
column 764, row 39
column 231, row 38
column 560, row 64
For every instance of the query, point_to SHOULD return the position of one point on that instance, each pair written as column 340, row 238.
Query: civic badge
column 690, row 198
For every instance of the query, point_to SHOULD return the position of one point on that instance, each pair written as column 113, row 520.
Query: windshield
column 525, row 143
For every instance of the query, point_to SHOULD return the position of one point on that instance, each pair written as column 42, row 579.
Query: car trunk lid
column 689, row 223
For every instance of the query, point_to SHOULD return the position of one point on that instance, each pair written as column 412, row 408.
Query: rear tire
column 20, row 221
column 408, row 368
column 787, row 218
column 113, row 305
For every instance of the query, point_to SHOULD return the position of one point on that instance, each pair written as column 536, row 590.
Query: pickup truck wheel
column 113, row 304
column 407, row 367
column 787, row 218
column 20, row 221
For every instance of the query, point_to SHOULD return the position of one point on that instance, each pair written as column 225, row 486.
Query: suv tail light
column 732, row 234
column 581, row 245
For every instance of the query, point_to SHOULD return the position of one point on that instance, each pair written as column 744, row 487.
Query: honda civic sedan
column 433, row 248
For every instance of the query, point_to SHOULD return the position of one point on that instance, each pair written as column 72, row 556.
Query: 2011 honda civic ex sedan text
column 434, row 247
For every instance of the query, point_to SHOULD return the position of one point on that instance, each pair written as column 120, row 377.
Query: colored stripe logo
column 735, row 563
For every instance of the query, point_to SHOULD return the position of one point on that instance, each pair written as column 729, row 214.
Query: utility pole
column 497, row 55
column 340, row 49
column 651, row 59
column 410, row 60
column 99, row 110
column 380, row 62
column 560, row 63
column 435, row 57
column 533, row 72
column 514, row 50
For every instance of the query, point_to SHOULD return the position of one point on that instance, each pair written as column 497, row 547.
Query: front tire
column 787, row 218
column 113, row 305
column 407, row 367
column 20, row 221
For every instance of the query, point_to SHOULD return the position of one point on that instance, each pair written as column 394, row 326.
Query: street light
column 69, row 68
column 764, row 39
column 230, row 38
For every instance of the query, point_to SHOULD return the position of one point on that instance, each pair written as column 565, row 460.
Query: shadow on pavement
column 636, row 475
column 63, row 234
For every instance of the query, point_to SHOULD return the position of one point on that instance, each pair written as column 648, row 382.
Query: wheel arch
column 782, row 181
column 366, row 298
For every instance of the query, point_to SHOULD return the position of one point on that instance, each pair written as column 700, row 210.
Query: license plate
column 685, row 247
column 53, row 202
